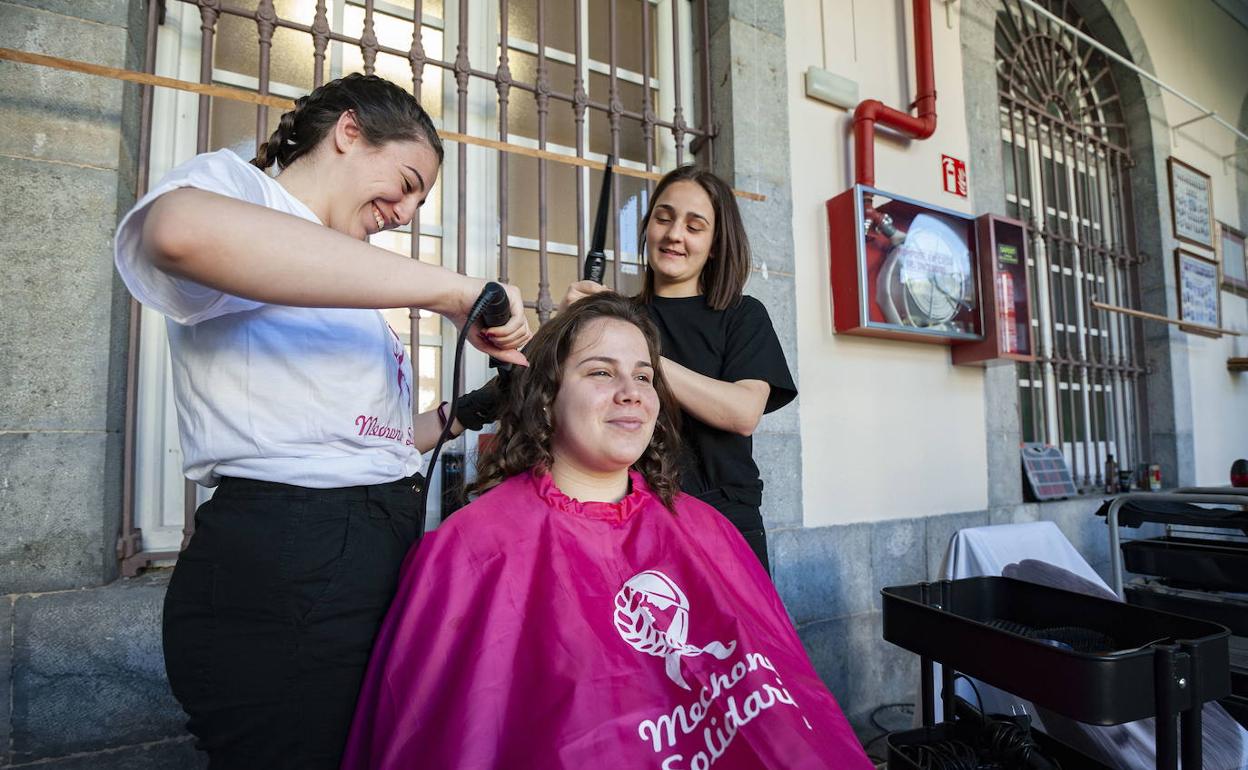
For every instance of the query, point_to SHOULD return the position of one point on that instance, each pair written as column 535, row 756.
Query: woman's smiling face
column 380, row 186
column 679, row 237
column 605, row 410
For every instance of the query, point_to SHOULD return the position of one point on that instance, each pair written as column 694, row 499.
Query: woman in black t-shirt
column 721, row 356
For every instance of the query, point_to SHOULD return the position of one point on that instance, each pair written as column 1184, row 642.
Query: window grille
column 1067, row 162
column 584, row 78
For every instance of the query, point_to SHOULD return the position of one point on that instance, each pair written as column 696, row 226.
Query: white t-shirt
column 308, row 396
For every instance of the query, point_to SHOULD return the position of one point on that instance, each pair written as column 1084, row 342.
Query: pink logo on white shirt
column 400, row 355
column 370, row 425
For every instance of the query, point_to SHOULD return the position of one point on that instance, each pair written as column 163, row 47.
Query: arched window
column 1067, row 163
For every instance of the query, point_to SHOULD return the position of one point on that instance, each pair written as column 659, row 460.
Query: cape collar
column 639, row 494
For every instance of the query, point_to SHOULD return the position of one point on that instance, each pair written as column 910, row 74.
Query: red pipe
column 873, row 111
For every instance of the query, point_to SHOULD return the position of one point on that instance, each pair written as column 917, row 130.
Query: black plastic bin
column 1160, row 664
column 1213, row 565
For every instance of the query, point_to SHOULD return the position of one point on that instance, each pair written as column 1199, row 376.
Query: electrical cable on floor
column 1000, row 741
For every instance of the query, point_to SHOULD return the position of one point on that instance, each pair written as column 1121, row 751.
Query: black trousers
column 748, row 520
column 272, row 611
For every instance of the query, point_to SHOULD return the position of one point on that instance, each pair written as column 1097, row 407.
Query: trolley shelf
column 1145, row 662
column 951, row 626
column 1213, row 565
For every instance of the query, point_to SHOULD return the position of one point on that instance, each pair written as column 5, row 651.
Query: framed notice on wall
column 1191, row 204
column 1199, row 287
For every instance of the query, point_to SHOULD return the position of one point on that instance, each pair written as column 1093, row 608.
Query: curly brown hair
column 525, row 428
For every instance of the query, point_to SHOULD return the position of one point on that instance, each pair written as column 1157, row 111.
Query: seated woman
column 583, row 611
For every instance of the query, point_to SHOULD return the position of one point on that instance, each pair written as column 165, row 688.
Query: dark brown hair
column 383, row 111
column 525, row 423
column 728, row 264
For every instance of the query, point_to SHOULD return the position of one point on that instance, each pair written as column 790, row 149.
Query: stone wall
column 751, row 152
column 85, row 677
column 68, row 159
column 81, row 673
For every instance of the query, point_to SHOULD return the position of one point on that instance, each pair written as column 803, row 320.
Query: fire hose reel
column 904, row 269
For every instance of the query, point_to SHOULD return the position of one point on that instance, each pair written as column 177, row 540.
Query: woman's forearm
column 269, row 256
column 427, row 427
column 735, row 407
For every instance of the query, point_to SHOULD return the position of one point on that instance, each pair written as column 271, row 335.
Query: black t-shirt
column 729, row 345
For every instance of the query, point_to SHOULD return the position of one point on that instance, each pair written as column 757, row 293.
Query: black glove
column 481, row 406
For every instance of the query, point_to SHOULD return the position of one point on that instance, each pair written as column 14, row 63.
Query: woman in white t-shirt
column 294, row 400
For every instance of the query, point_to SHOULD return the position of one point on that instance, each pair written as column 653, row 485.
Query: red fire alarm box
column 1006, row 295
column 903, row 269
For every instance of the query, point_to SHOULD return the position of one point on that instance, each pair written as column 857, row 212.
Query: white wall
column 892, row 429
column 889, row 429
column 1200, row 50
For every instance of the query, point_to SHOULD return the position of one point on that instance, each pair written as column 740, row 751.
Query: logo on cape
column 638, row 626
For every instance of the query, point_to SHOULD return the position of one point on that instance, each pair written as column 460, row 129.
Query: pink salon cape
column 535, row 632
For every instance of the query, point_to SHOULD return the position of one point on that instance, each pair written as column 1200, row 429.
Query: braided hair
column 383, row 111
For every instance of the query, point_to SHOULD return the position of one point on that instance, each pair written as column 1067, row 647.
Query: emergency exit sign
column 954, row 173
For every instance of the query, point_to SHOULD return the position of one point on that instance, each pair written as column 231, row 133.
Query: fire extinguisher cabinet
column 1006, row 295
column 903, row 269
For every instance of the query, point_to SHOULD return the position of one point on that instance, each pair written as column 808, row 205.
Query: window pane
column 429, row 379
column 427, row 8
column 237, row 45
column 1025, row 398
column 560, row 32
column 1233, row 256
column 522, row 200
column 632, row 139
column 522, row 105
column 524, row 273
column 396, row 32
column 627, row 33
column 233, row 125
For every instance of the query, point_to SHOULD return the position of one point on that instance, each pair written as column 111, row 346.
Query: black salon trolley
column 1198, row 568
column 1165, row 665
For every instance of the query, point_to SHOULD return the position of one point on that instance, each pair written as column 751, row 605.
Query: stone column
column 748, row 67
column 979, row 82
column 68, row 157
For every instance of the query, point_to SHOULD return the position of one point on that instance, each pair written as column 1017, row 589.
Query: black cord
column 905, row 708
column 474, row 313
column 943, row 755
column 1001, row 741
column 979, row 700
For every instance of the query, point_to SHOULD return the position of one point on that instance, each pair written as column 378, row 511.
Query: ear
column 346, row 131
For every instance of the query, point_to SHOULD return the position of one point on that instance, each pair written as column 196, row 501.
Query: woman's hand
column 501, row 342
column 580, row 290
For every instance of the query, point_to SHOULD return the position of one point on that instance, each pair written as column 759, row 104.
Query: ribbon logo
column 637, row 624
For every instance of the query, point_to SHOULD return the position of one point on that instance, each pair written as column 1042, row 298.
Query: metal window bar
column 1067, row 179
column 264, row 14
